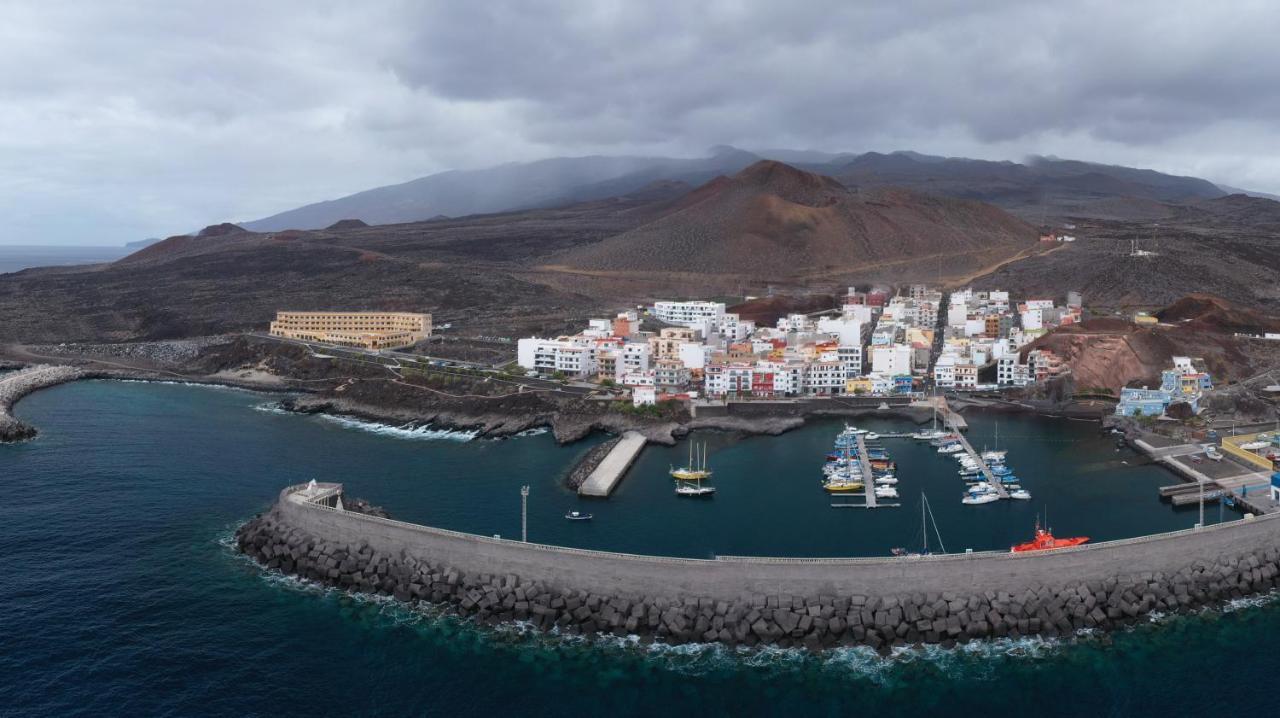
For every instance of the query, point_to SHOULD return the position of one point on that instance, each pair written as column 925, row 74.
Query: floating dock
column 989, row 477
column 612, row 468
column 868, row 479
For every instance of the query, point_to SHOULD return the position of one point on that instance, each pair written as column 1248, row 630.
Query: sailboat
column 934, row 433
column 693, row 489
column 926, row 517
column 696, row 469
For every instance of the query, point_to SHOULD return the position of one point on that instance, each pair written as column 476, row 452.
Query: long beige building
column 368, row 330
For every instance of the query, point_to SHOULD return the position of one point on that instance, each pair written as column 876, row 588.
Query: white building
column 573, row 359
column 825, row 377
column 892, row 360
column 944, row 371
column 644, row 396
column 689, row 314
column 847, row 330
column 633, row 357
column 1011, row 372
column 693, row 355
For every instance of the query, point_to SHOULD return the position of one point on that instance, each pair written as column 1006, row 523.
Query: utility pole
column 524, row 514
column 1201, row 524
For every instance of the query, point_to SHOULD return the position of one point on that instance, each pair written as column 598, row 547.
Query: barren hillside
column 774, row 220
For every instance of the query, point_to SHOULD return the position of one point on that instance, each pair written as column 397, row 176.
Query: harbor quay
column 315, row 532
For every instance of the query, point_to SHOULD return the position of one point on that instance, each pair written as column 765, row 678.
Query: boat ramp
column 612, row 468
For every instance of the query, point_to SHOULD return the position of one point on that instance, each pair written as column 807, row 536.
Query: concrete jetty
column 614, row 466
column 17, row 385
column 318, row 533
column 868, row 480
column 989, row 477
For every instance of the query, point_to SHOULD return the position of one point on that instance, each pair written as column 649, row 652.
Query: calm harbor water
column 121, row 595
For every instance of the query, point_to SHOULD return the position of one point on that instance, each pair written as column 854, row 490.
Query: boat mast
column 936, row 532
column 924, row 524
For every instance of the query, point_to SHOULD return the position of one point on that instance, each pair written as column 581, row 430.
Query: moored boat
column 696, row 469
column 577, row 516
column 1046, row 541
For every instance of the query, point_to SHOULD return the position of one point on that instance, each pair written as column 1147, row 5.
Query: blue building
column 1143, row 402
column 902, row 384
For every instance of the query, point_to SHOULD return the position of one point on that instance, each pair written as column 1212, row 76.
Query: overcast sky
column 124, row 120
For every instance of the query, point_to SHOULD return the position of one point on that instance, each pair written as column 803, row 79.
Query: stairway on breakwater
column 612, row 468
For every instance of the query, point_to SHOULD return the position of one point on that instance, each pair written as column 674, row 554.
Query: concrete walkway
column 610, row 471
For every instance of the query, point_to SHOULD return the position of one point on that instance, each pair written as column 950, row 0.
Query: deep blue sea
column 120, row 593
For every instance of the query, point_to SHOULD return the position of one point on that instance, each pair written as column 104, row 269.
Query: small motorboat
column 1020, row 494
column 950, row 449
column 886, row 492
column 577, row 516
column 984, row 497
column 887, row 480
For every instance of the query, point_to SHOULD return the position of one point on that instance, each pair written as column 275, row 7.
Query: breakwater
column 814, row 603
column 21, row 383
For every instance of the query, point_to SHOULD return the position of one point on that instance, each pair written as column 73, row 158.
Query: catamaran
column 696, row 469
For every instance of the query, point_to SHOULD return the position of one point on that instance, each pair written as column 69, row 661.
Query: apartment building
column 690, row 314
column 366, row 330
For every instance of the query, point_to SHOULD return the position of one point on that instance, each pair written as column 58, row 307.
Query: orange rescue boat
column 1045, row 541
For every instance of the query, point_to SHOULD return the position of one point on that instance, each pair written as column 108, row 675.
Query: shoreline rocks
column 814, row 622
column 21, row 383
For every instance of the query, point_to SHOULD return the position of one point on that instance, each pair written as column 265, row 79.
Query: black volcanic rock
column 347, row 224
column 221, row 230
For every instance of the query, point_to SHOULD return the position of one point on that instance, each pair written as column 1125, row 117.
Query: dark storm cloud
column 122, row 121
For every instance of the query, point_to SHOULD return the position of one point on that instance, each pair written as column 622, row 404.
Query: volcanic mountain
column 773, row 220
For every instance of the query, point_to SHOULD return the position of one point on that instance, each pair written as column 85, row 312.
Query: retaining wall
column 814, row 602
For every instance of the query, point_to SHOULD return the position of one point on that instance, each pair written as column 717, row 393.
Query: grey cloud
column 125, row 120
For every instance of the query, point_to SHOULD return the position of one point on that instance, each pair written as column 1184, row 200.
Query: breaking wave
column 423, row 432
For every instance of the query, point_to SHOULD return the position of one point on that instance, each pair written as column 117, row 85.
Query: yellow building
column 367, row 330
column 858, row 386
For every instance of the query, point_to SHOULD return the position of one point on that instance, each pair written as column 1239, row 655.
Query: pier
column 614, row 466
column 868, row 480
column 991, row 479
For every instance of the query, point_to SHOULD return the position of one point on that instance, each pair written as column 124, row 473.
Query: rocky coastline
column 21, row 383
column 1099, row 599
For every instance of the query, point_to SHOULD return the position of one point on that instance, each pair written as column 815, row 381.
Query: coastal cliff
column 813, row 603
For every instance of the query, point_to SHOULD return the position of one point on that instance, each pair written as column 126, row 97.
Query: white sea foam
column 271, row 408
column 535, row 431
column 423, row 432
column 203, row 385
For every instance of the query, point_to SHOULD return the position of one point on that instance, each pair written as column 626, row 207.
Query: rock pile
column 814, row 622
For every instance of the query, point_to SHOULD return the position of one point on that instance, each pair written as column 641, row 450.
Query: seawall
column 17, row 385
column 747, row 601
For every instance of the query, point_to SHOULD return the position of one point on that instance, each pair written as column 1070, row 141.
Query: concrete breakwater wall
column 17, row 385
column 748, row 601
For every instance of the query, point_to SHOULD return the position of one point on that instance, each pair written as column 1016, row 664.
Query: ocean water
column 121, row 595
column 14, row 258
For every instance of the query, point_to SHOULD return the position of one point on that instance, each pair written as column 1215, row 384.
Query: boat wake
column 417, row 432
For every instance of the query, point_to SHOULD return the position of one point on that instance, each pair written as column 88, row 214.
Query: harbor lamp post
column 524, row 514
